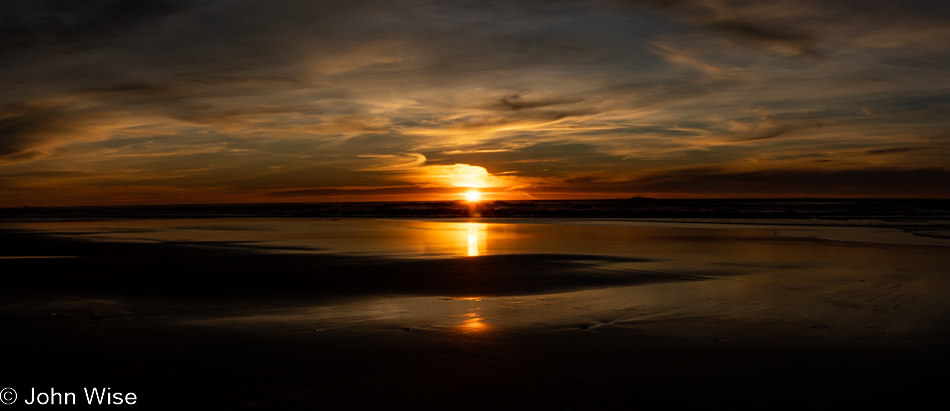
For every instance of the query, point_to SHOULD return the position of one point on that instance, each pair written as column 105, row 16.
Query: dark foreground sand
column 187, row 326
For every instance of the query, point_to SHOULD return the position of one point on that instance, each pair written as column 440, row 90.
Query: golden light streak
column 472, row 239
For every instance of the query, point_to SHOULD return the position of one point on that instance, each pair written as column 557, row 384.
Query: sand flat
column 356, row 314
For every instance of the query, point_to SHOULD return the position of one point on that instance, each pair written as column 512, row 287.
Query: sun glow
column 459, row 175
column 472, row 195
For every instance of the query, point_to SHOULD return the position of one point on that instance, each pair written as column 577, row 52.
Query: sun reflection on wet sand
column 472, row 239
column 474, row 323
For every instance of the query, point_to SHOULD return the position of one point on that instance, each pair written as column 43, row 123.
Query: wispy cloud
column 231, row 101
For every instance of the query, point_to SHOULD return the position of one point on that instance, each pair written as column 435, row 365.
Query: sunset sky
column 157, row 102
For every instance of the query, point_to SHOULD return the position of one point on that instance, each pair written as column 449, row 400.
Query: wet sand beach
column 370, row 314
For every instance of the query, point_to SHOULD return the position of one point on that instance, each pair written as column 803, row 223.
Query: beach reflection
column 564, row 278
column 440, row 239
column 474, row 323
column 468, row 239
column 380, row 237
column 473, row 239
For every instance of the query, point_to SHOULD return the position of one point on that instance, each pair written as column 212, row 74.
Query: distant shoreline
column 833, row 210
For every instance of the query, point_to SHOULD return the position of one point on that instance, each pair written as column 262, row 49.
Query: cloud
column 894, row 150
column 678, row 56
column 302, row 95
column 413, row 168
column 31, row 23
column 459, row 175
column 26, row 132
column 337, row 192
column 765, row 26
column 518, row 102
column 394, row 162
column 768, row 128
column 788, row 41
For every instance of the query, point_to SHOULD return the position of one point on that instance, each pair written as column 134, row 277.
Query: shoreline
column 817, row 323
column 895, row 233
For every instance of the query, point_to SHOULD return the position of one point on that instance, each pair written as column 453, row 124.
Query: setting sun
column 472, row 195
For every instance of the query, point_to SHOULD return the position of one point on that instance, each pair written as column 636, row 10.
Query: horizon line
column 489, row 201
